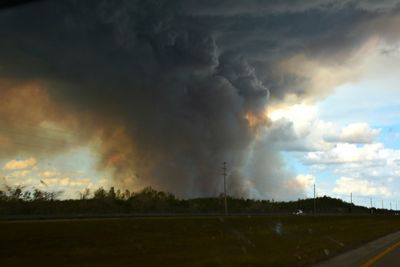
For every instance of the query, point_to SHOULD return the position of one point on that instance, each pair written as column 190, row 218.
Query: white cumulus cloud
column 355, row 133
column 351, row 153
column 347, row 185
column 299, row 128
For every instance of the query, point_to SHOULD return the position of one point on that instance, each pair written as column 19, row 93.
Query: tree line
column 18, row 201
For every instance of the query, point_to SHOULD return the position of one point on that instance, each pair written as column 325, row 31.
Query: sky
column 357, row 128
column 160, row 93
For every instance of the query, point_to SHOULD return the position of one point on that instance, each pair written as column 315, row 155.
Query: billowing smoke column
column 174, row 88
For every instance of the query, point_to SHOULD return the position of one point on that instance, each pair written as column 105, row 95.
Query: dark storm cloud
column 180, row 76
column 272, row 7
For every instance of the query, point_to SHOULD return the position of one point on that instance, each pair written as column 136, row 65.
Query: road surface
column 384, row 252
column 387, row 258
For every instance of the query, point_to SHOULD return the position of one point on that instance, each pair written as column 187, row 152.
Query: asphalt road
column 391, row 258
column 384, row 252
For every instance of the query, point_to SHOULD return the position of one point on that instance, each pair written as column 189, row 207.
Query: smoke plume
column 165, row 91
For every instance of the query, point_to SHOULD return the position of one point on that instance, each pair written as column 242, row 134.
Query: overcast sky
column 160, row 93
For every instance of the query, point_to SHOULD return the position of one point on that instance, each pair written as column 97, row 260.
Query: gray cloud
column 180, row 76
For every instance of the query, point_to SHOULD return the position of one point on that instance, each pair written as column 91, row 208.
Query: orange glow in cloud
column 33, row 124
column 25, row 103
column 116, row 148
column 255, row 120
column 115, row 159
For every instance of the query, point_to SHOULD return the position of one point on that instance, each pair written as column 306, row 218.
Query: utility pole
column 390, row 205
column 370, row 204
column 351, row 202
column 382, row 203
column 224, row 169
column 315, row 201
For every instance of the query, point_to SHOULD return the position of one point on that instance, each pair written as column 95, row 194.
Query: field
column 187, row 241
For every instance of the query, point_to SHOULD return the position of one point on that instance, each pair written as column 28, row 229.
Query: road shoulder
column 361, row 255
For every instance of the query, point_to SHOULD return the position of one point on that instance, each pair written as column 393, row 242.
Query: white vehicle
column 298, row 212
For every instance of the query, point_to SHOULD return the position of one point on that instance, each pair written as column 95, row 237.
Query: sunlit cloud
column 22, row 173
column 67, row 182
column 50, row 173
column 20, row 164
column 304, row 181
column 347, row 185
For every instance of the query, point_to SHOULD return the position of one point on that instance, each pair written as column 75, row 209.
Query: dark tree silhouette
column 18, row 201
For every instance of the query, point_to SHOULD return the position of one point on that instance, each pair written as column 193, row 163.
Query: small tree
column 111, row 193
column 3, row 196
column 100, row 193
column 84, row 194
column 37, row 195
column 51, row 196
column 127, row 194
column 14, row 193
column 27, row 196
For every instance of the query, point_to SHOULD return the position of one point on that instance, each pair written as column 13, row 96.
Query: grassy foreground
column 190, row 241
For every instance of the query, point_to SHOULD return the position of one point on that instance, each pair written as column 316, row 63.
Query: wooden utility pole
column 351, row 201
column 315, row 201
column 224, row 169
column 370, row 204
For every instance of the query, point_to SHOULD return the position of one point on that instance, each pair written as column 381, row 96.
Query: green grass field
column 189, row 241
